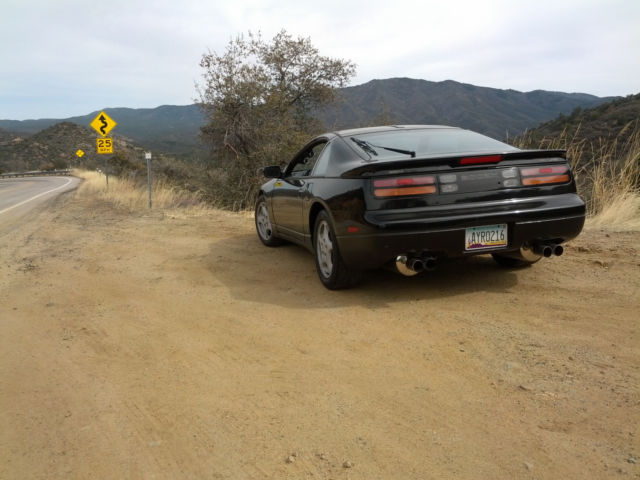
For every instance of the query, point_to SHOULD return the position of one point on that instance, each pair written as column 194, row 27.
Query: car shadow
column 286, row 276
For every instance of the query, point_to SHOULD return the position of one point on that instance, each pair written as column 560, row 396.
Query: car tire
column 333, row 272
column 264, row 227
column 512, row 262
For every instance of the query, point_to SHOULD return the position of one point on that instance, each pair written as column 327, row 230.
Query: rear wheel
column 263, row 224
column 333, row 272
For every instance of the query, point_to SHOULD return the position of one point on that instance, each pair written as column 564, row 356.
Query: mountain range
column 494, row 112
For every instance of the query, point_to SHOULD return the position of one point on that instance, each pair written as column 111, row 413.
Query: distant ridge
column 497, row 113
column 494, row 112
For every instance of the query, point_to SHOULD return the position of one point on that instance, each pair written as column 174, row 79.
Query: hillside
column 495, row 112
column 6, row 136
column 618, row 118
column 168, row 128
column 56, row 147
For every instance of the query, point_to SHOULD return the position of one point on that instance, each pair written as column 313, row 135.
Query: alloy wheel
column 324, row 249
column 263, row 222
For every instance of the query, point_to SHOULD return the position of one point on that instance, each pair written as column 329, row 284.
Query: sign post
column 147, row 156
column 79, row 154
column 106, row 171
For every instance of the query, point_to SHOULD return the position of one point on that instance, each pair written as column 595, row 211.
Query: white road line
column 33, row 198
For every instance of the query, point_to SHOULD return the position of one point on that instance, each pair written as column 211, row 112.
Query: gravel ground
column 167, row 346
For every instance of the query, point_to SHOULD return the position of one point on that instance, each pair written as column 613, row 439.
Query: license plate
column 489, row 236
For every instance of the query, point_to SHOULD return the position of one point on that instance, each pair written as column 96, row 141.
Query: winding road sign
column 103, row 124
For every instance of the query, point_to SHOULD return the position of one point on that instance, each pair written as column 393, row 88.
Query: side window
column 322, row 163
column 305, row 163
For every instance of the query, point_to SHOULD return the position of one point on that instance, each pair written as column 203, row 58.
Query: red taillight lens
column 545, row 179
column 401, row 186
column 545, row 175
column 403, row 181
column 532, row 172
column 480, row 160
column 398, row 192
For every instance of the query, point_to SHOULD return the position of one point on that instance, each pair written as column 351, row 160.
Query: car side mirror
column 273, row 171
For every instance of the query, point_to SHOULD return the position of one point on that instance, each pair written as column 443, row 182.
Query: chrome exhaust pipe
column 558, row 250
column 430, row 263
column 416, row 264
column 407, row 267
column 544, row 250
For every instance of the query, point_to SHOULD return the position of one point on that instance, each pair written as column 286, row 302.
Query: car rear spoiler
column 453, row 161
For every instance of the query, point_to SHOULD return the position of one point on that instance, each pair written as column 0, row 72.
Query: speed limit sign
column 105, row 145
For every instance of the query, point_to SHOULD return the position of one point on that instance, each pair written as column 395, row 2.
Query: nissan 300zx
column 408, row 196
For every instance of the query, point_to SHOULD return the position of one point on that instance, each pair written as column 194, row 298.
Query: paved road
column 19, row 196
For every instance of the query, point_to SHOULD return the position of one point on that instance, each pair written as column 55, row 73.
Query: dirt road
column 162, row 346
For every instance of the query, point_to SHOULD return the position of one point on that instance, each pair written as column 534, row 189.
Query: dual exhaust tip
column 547, row 250
column 411, row 266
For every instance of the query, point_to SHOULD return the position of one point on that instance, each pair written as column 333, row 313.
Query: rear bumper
column 441, row 230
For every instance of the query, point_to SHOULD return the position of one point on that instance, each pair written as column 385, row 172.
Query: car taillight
column 545, row 175
column 401, row 186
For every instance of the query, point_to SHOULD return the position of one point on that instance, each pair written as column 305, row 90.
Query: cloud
column 70, row 57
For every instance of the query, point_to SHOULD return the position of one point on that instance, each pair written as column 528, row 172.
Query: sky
column 61, row 58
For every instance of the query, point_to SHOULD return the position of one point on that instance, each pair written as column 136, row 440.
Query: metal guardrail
column 35, row 173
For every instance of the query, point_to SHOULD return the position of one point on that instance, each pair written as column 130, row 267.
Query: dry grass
column 614, row 199
column 607, row 173
column 126, row 194
column 622, row 214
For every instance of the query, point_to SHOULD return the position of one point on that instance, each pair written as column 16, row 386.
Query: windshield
column 426, row 142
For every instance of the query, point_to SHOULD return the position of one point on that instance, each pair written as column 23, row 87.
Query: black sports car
column 409, row 195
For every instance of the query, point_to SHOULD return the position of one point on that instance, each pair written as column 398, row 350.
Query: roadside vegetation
column 131, row 194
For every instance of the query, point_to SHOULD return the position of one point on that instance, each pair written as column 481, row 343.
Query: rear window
column 427, row 142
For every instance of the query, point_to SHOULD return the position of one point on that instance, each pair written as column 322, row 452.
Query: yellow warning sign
column 103, row 123
column 79, row 153
column 105, row 145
